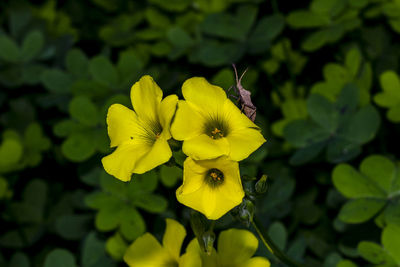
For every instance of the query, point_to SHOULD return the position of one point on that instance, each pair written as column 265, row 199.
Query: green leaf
column 394, row 114
column 360, row 210
column 103, row 71
column 31, row 209
column 328, row 7
column 32, row 45
column 9, row 50
column 380, row 170
column 353, row 61
column 170, row 175
column 390, row 84
column 10, row 152
column 266, row 30
column 214, row 53
column 151, row 202
column 19, row 260
column 229, row 26
column 156, row 18
column 373, row 252
column 109, row 216
column 340, row 150
column 72, row 226
column 60, row 258
column 278, row 234
column 301, row 133
column 84, row 110
column 346, row 263
column 94, row 254
column 132, row 223
column 173, row 5
column 77, row 63
column 179, row 37
column 78, row 147
column 307, row 153
column 116, row 247
column 306, row 19
column 391, row 241
column 323, row 112
column 56, row 81
column 363, row 126
column 354, row 185
column 129, row 67
column 315, row 41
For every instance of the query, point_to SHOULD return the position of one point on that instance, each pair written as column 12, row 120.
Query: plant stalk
column 277, row 252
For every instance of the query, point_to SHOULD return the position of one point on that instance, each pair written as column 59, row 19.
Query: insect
column 244, row 97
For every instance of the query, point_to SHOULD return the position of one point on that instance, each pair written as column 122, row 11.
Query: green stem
column 277, row 252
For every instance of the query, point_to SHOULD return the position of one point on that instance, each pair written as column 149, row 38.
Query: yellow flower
column 146, row 251
column 140, row 135
column 235, row 248
column 212, row 187
column 211, row 125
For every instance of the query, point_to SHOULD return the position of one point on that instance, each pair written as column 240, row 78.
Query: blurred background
column 322, row 74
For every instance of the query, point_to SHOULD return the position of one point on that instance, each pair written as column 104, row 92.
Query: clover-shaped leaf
column 332, row 18
column 386, row 254
column 373, row 189
column 354, row 70
column 28, row 214
column 117, row 203
column 390, row 97
column 94, row 253
column 338, row 127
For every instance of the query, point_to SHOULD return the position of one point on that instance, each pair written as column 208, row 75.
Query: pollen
column 216, row 133
column 214, row 177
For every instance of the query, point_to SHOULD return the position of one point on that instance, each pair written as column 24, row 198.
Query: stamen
column 214, row 177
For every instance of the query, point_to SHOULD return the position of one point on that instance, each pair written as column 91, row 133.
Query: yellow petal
column 159, row 153
column 188, row 122
column 166, row 112
column 121, row 124
column 243, row 142
column 212, row 201
column 146, row 251
column 121, row 163
column 204, row 147
column 236, row 119
column 236, row 246
column 146, row 97
column 190, row 260
column 206, row 96
column 173, row 238
column 256, row 262
column 196, row 172
column 207, row 260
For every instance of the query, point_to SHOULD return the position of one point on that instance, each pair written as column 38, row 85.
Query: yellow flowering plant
column 235, row 249
column 216, row 135
column 140, row 135
column 210, row 125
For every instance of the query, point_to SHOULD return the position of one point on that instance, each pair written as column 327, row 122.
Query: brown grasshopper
column 244, row 97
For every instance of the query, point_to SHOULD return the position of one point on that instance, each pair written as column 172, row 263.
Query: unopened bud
column 208, row 240
column 262, row 184
column 246, row 211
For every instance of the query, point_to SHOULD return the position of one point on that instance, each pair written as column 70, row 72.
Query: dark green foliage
column 323, row 75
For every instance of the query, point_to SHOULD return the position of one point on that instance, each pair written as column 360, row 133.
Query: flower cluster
column 215, row 134
column 235, row 249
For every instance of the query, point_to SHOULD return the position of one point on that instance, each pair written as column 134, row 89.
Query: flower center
column 214, row 177
column 216, row 134
column 216, row 128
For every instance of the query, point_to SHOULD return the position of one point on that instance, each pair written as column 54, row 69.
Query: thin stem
column 277, row 252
